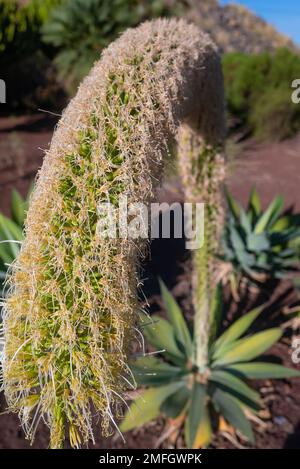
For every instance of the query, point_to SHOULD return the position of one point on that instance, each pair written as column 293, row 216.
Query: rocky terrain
column 233, row 27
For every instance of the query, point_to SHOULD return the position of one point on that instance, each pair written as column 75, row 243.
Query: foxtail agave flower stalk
column 71, row 313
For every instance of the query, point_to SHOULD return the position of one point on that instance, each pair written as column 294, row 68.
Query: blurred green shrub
column 258, row 91
column 80, row 29
column 20, row 25
column 25, row 61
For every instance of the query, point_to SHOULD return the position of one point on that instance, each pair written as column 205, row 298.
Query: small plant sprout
column 71, row 313
column 202, row 400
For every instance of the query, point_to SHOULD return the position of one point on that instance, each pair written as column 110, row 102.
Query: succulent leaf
column 196, row 412
column 236, row 386
column 236, row 330
column 150, row 401
column 269, row 216
column 177, row 320
column 150, row 371
column 261, row 370
column 233, row 413
column 249, row 348
column 253, row 241
column 176, row 403
column 160, row 334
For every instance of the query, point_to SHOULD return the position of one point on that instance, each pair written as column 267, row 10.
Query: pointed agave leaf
column 147, row 406
column 287, row 254
column 18, row 208
column 279, row 203
column 254, row 204
column 232, row 412
column 245, row 222
column 6, row 255
column 281, row 224
column 175, row 404
column 277, row 238
column 216, row 311
column 232, row 204
column 177, row 320
column 196, row 413
column 262, row 261
column 236, row 330
column 10, row 249
column 204, row 432
column 245, row 258
column 236, row 240
column 150, row 371
column 228, row 253
column 233, row 281
column 236, row 386
column 249, row 348
column 10, row 229
column 257, row 242
column 160, row 335
column 247, row 261
column 270, row 215
column 262, row 370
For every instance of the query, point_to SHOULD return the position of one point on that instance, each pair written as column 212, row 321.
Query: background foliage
column 80, row 29
column 24, row 55
column 11, row 234
column 70, row 34
column 258, row 92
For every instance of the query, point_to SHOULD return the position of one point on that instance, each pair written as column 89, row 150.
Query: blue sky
column 283, row 14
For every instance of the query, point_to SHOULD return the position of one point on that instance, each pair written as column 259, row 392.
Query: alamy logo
column 296, row 94
column 296, row 352
column 2, row 92
column 137, row 220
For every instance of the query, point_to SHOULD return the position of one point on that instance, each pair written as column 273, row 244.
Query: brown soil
column 273, row 169
column 22, row 144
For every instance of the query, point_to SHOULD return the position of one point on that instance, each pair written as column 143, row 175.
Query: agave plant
column 80, row 29
column 196, row 400
column 11, row 232
column 71, row 312
column 260, row 244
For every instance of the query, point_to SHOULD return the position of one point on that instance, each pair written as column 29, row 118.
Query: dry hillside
column 233, row 27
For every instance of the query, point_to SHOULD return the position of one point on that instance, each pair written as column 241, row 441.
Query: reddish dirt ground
column 22, row 144
column 273, row 168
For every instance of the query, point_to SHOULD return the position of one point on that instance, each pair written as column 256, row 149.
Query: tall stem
column 202, row 173
column 201, row 293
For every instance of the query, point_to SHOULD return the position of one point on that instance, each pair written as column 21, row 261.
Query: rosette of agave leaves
column 200, row 401
column 259, row 244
